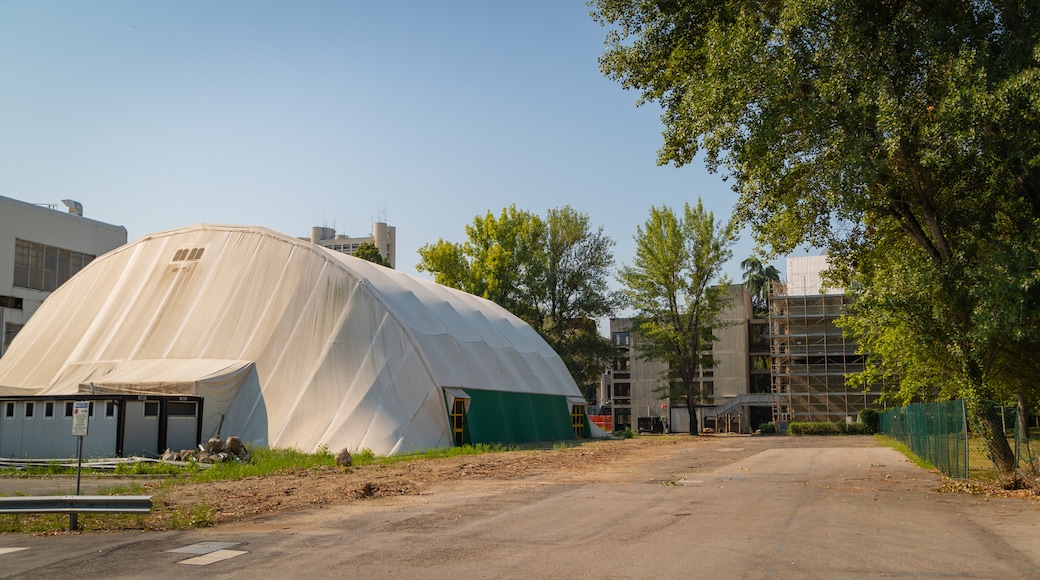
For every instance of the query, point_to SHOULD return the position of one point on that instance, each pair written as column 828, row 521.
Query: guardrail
column 75, row 505
column 71, row 504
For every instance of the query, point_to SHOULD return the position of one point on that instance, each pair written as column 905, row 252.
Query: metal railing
column 69, row 504
column 75, row 505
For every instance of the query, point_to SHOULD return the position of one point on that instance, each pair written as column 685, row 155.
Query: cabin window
column 180, row 409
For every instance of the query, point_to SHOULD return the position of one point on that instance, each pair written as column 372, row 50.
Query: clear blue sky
column 287, row 115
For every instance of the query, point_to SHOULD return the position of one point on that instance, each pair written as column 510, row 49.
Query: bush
column 857, row 429
column 852, row 428
column 767, row 428
column 823, row 428
column 628, row 433
column 820, row 428
column 872, row 419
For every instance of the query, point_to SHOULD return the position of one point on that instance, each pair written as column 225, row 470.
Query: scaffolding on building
column 811, row 359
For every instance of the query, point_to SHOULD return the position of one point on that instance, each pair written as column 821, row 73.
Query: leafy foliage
column 675, row 286
column 552, row 273
column 902, row 136
column 813, row 428
column 757, row 278
column 369, row 251
column 872, row 419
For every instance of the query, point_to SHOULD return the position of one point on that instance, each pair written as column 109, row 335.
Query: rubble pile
column 214, row 451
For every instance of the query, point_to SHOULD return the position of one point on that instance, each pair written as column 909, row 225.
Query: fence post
column 964, row 419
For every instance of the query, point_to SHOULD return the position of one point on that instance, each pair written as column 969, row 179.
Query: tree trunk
column 1023, row 416
column 1000, row 451
column 691, row 407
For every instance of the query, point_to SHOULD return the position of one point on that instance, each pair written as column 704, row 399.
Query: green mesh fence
column 935, row 432
column 941, row 434
column 1000, row 419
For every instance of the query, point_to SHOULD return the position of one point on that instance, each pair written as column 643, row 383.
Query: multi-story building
column 789, row 366
column 630, row 389
column 40, row 248
column 383, row 237
column 811, row 358
column 733, row 384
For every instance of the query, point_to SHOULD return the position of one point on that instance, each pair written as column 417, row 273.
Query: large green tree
column 500, row 260
column 551, row 272
column 368, row 251
column 757, row 279
column 572, row 292
column 676, row 287
column 861, row 127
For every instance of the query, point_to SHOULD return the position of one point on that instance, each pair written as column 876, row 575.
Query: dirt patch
column 258, row 497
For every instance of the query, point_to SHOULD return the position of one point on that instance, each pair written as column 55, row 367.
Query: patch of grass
column 366, row 457
column 200, row 514
column 42, row 470
column 149, row 468
column 902, row 448
column 33, row 523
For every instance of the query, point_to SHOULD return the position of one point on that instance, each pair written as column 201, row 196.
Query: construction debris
column 214, row 451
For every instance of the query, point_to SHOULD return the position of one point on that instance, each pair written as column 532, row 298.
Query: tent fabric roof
column 346, row 353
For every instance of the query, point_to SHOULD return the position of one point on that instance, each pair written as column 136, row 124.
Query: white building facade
column 41, row 248
column 383, row 237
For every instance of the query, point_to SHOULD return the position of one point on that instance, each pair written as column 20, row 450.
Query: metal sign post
column 80, row 417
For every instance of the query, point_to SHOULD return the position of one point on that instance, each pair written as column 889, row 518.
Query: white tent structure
column 293, row 345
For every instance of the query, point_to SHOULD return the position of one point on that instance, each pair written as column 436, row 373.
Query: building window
column 180, row 409
column 151, row 408
column 110, row 408
column 760, row 363
column 30, row 409
column 621, row 339
column 68, row 409
column 760, row 383
column 48, row 410
column 758, row 336
column 707, row 390
column 10, row 331
column 622, row 393
column 622, row 419
column 43, row 267
column 9, row 410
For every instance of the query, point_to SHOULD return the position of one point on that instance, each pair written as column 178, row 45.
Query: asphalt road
column 736, row 508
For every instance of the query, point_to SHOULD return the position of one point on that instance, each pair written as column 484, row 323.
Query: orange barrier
column 603, row 421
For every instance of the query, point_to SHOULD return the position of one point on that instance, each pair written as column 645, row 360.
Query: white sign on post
column 80, row 416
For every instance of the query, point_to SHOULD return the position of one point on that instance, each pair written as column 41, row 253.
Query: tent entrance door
column 458, row 421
